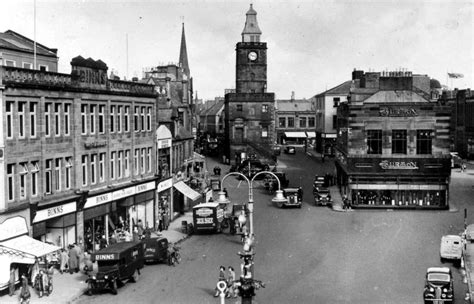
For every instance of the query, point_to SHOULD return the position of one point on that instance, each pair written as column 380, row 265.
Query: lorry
column 208, row 217
column 117, row 263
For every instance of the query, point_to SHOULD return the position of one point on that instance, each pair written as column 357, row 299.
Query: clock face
column 253, row 56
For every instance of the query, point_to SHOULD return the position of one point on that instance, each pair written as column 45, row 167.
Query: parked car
column 276, row 150
column 290, row 149
column 250, row 167
column 271, row 184
column 322, row 196
column 116, row 263
column 451, row 248
column 438, row 286
column 294, row 197
column 469, row 233
column 156, row 249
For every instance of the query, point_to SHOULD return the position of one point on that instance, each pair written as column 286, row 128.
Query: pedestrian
column 63, row 257
column 135, row 236
column 11, row 282
column 463, row 167
column 231, row 290
column 72, row 261
column 39, row 283
column 24, row 291
column 160, row 220
column 112, row 238
column 49, row 276
column 140, row 228
column 345, row 202
column 322, row 157
column 221, row 279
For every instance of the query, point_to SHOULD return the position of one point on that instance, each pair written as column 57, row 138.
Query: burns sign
column 409, row 165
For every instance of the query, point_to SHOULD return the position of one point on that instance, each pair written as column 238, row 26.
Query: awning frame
column 187, row 191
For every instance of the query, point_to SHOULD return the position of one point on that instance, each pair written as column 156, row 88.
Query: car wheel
column 442, row 260
column 135, row 276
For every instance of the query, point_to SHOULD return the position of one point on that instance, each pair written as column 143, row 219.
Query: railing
column 17, row 75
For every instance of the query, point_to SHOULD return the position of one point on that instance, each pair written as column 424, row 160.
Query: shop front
column 55, row 224
column 294, row 138
column 19, row 250
column 121, row 209
column 406, row 183
column 164, row 212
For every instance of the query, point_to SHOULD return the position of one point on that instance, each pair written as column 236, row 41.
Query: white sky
column 312, row 45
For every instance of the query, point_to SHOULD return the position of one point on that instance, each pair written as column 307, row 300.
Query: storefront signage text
column 96, row 144
column 398, row 165
column 102, row 257
column 53, row 212
column 165, row 185
column 13, row 227
column 204, row 212
column 398, row 112
column 118, row 194
column 164, row 143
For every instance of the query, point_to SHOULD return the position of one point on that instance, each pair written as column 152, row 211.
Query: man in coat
column 11, row 282
column 63, row 257
column 73, row 257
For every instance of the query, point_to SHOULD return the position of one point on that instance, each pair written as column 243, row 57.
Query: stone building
column 295, row 121
column 77, row 152
column 393, row 143
column 19, row 51
column 249, row 112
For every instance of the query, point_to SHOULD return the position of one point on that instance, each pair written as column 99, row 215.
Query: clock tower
column 251, row 60
column 249, row 110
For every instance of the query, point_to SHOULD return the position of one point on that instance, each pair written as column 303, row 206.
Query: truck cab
column 116, row 264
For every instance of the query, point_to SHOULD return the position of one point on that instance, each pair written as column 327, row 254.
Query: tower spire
column 183, row 54
column 251, row 32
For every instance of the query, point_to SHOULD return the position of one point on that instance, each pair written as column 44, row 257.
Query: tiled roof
column 215, row 108
column 13, row 40
column 341, row 89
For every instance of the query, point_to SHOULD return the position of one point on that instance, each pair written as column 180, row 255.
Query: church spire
column 251, row 32
column 183, row 55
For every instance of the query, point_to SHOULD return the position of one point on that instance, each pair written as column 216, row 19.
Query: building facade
column 78, row 152
column 326, row 117
column 249, row 112
column 393, row 143
column 295, row 121
column 19, row 51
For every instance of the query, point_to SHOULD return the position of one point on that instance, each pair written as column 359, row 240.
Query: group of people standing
column 231, row 289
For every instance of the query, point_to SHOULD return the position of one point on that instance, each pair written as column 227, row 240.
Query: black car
column 322, row 196
column 294, row 197
column 117, row 263
column 250, row 167
column 271, row 184
column 438, row 286
column 290, row 150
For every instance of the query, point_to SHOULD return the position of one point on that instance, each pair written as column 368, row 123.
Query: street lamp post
column 247, row 282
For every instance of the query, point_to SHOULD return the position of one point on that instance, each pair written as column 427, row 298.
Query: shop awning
column 311, row 134
column 187, row 191
column 27, row 246
column 295, row 134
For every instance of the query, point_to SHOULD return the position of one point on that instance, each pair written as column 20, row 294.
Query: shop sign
column 13, row 227
column 164, row 185
column 145, row 187
column 53, row 212
column 204, row 212
column 397, row 112
column 164, row 143
column 105, row 257
column 118, row 194
column 398, row 165
column 96, row 144
column 123, row 193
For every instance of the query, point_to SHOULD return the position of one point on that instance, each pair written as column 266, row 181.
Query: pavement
column 69, row 287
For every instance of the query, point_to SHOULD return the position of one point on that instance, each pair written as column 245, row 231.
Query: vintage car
column 156, row 249
column 116, row 264
column 250, row 167
column 290, row 150
column 322, row 196
column 438, row 286
column 294, row 197
column 276, row 150
column 271, row 184
column 451, row 248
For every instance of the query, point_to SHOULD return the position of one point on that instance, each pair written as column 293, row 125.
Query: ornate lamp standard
column 247, row 283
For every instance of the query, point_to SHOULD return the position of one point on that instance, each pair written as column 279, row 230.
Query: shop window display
column 399, row 197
